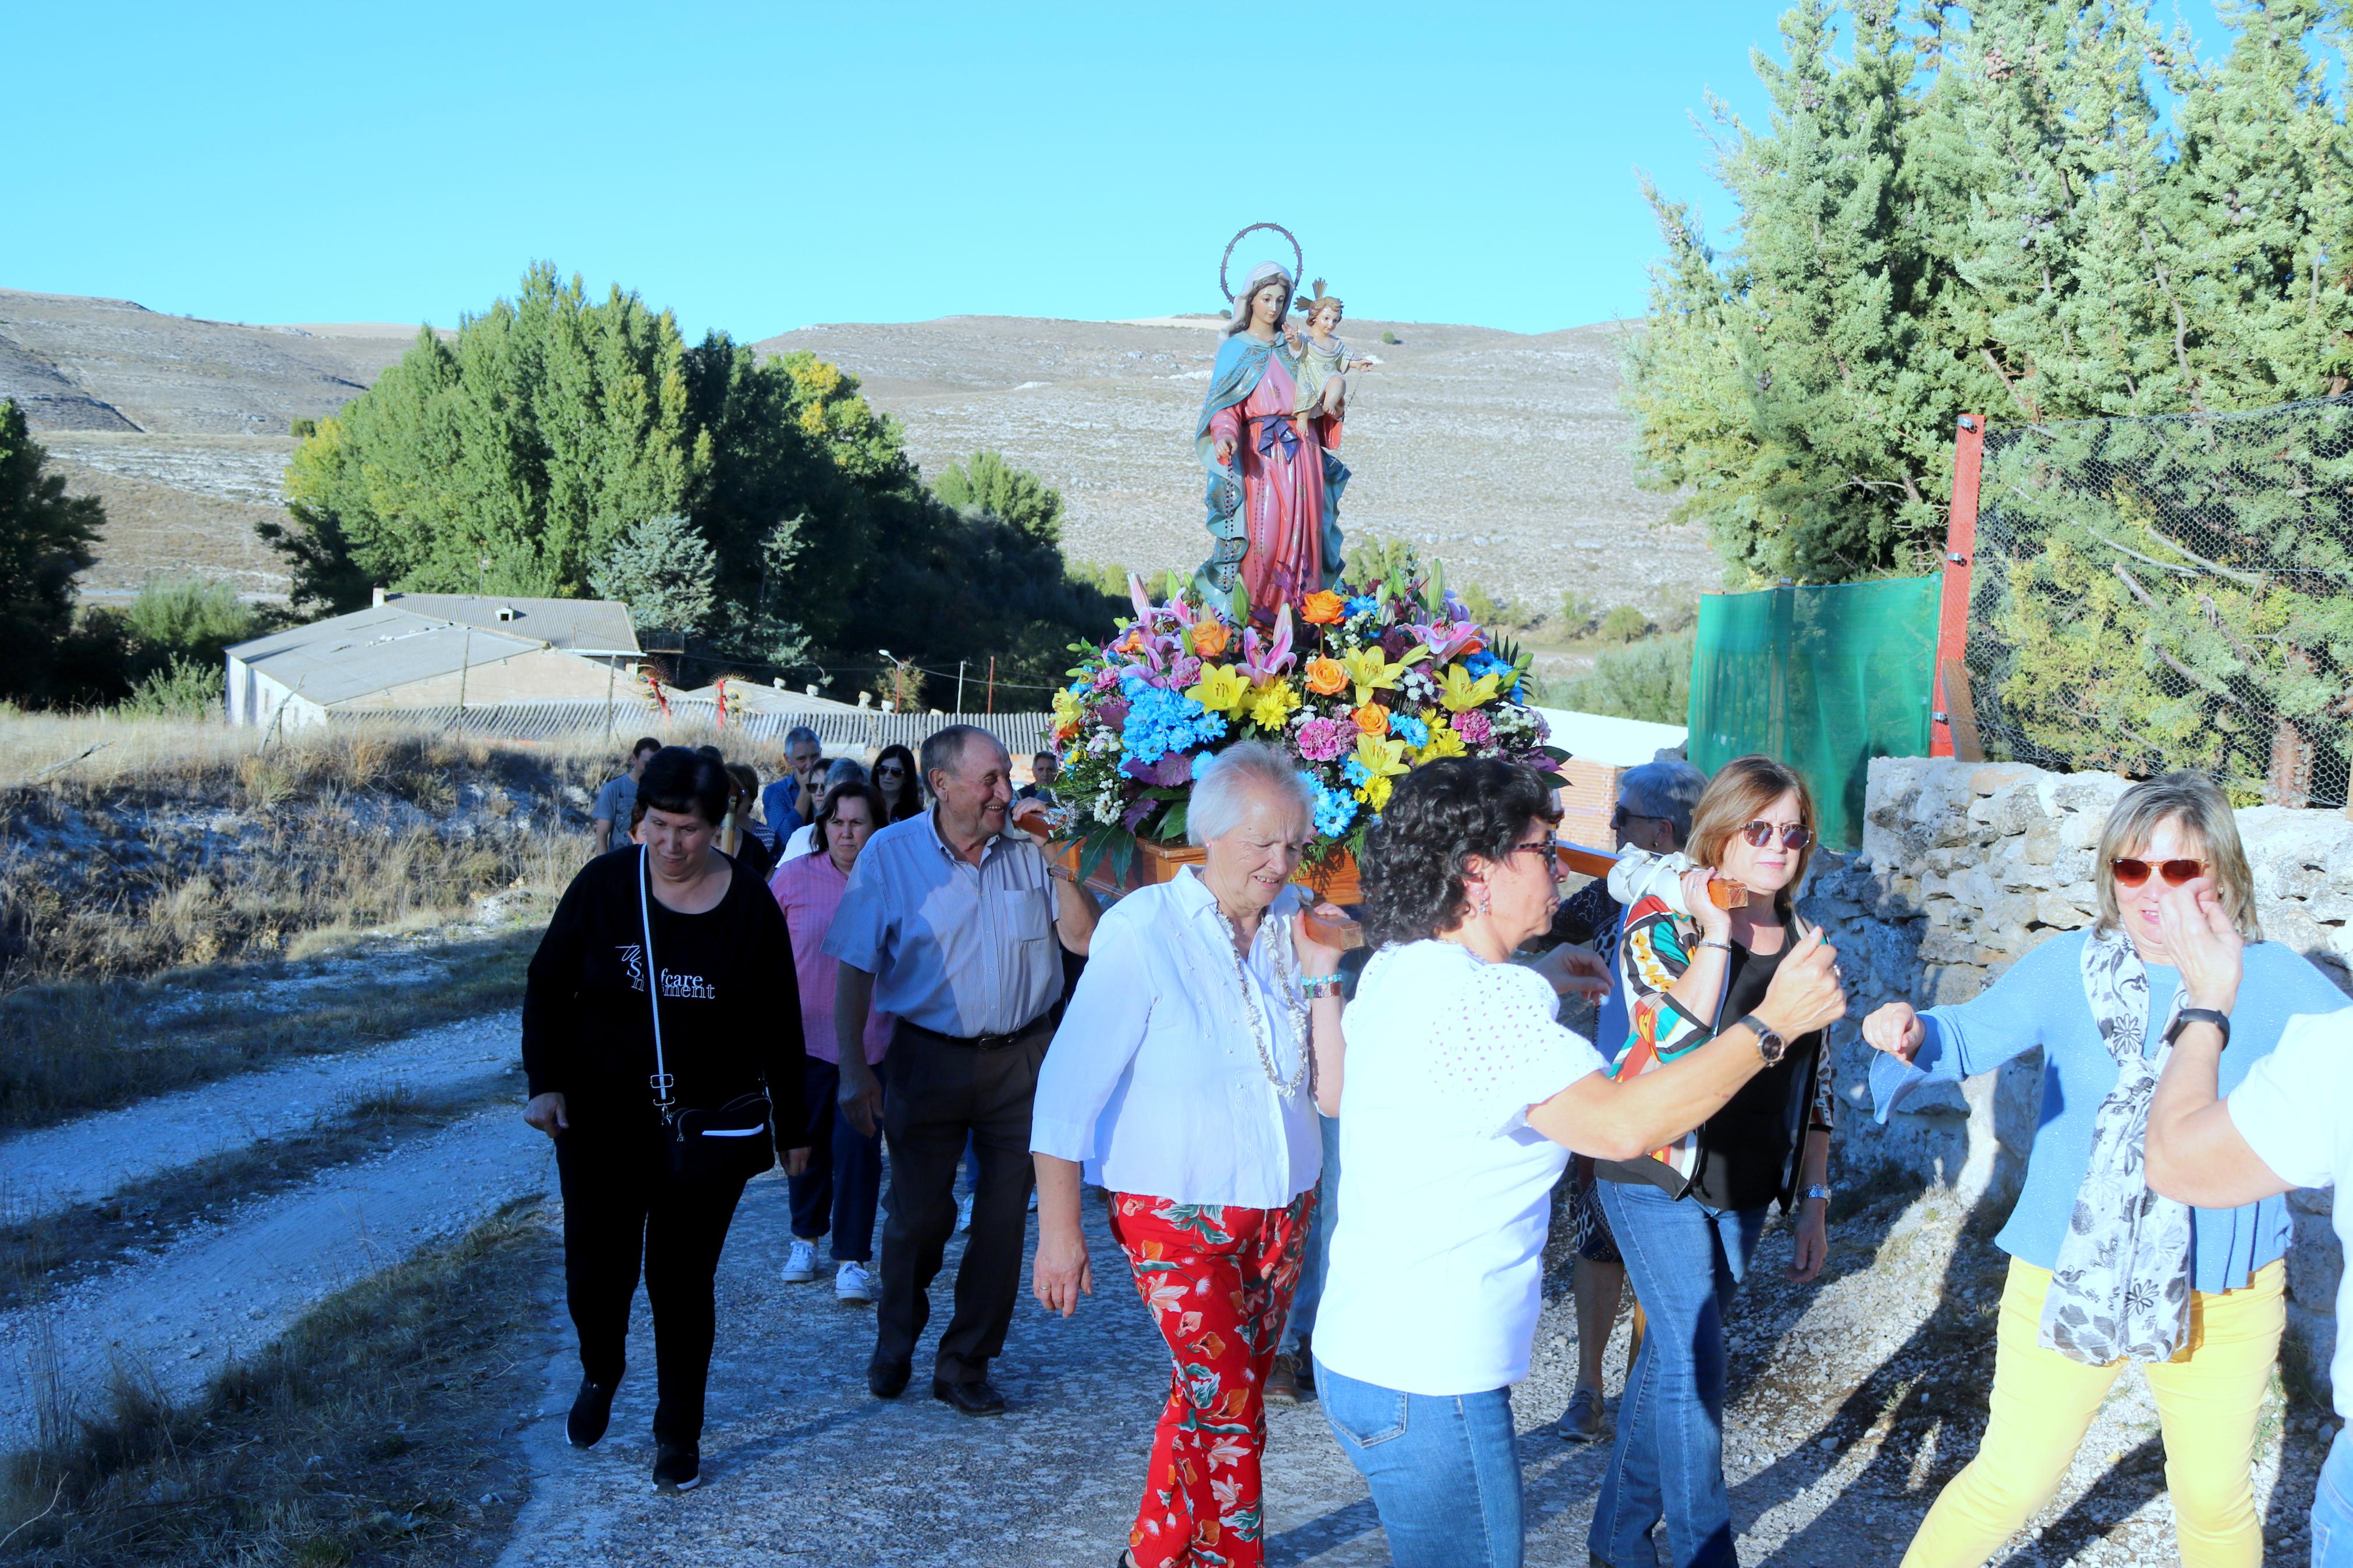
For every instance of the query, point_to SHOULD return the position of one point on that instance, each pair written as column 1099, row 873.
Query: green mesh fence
column 1824, row 678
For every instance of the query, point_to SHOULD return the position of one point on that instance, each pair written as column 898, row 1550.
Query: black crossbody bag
column 731, row 1143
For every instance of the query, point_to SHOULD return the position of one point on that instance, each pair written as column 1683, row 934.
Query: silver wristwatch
column 1819, row 1190
column 1770, row 1043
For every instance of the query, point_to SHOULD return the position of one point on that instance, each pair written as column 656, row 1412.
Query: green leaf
column 1109, row 840
column 1172, row 823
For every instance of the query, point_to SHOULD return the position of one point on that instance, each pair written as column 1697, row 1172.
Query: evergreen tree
column 45, row 542
column 665, row 572
column 988, row 483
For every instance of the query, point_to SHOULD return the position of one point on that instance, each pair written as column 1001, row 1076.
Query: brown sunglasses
column 2132, row 873
column 1797, row 836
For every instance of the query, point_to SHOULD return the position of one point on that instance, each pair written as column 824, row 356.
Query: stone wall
column 1965, row 867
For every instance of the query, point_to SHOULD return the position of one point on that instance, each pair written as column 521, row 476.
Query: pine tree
column 45, row 542
column 988, row 483
column 665, row 572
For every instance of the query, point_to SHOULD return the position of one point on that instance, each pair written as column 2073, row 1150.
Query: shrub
column 1624, row 625
column 1649, row 679
column 1578, row 614
column 196, row 618
column 1387, row 336
column 183, row 689
column 303, row 429
column 988, row 483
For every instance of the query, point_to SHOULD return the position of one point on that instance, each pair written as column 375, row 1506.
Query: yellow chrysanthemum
column 1221, row 689
column 1273, row 705
column 1375, row 794
column 1372, row 671
column 1460, row 693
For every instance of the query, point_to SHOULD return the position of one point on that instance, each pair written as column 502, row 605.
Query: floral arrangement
column 1370, row 682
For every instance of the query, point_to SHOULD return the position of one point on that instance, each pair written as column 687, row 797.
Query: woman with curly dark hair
column 1462, row 1098
column 902, row 785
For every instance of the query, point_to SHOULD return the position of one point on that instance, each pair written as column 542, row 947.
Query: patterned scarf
column 2121, row 1288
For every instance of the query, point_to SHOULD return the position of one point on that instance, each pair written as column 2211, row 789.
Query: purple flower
column 1323, row 739
column 1184, row 673
column 1173, row 769
column 1105, row 679
column 1473, row 728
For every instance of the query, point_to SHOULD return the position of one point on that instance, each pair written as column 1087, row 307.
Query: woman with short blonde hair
column 2103, row 1270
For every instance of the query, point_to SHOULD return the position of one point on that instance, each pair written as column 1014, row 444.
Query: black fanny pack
column 733, row 1142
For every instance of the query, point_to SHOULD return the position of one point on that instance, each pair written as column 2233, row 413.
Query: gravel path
column 1835, row 1446
column 220, row 1291
column 93, row 1156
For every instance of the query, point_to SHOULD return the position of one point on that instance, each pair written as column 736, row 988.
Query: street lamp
column 898, row 690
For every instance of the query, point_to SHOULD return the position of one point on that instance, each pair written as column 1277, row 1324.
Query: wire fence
column 2171, row 592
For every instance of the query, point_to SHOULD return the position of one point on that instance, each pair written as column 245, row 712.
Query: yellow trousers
column 2208, row 1398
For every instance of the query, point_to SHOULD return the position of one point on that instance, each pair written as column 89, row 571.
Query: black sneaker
column 677, row 1466
column 591, row 1410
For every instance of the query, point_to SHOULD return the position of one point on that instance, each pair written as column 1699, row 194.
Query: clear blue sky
column 761, row 167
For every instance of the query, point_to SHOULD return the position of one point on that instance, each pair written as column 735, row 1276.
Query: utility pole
column 992, row 683
column 960, row 663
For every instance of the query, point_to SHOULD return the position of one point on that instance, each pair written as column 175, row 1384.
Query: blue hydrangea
column 1356, row 771
column 1333, row 811
column 1484, row 663
column 1408, row 729
column 1363, row 604
column 1159, row 723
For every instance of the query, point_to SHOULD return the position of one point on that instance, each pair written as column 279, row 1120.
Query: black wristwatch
column 2189, row 1015
column 1770, row 1043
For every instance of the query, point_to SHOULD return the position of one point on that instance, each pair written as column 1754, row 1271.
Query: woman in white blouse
column 1184, row 1078
column 1464, row 1098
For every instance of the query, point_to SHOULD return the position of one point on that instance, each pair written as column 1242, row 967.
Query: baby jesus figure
column 1323, row 364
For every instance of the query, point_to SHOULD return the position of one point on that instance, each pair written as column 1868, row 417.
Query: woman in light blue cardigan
column 2102, row 1270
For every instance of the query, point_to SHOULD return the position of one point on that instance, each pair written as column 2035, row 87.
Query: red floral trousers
column 1219, row 1281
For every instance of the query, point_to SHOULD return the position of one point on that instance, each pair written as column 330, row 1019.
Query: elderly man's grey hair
column 1224, row 785
column 844, row 769
column 1669, row 790
column 799, row 732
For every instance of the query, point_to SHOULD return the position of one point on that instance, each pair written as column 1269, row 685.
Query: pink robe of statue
column 1283, row 490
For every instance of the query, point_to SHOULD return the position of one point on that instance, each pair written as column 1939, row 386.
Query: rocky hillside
column 1504, row 455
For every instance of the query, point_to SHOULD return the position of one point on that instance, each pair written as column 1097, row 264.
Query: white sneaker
column 852, row 1283
column 800, row 1264
column 963, row 1212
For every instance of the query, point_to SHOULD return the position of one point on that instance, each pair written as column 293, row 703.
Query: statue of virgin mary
column 1274, row 480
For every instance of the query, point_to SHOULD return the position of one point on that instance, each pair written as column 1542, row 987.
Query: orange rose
column 1326, row 676
column 1372, row 718
column 1324, row 609
column 1209, row 637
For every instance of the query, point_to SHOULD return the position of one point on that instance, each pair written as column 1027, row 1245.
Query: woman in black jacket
column 641, row 1182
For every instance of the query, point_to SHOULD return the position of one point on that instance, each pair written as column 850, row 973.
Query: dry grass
column 368, row 1434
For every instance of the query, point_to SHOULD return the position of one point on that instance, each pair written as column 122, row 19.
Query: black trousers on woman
column 623, row 1210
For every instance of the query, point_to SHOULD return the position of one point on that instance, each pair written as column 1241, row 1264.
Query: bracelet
column 1724, row 946
column 1320, row 986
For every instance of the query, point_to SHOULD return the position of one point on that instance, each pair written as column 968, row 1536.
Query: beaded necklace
column 1286, row 983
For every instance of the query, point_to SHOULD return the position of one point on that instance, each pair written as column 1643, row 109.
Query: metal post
column 609, row 668
column 1949, row 680
column 960, row 663
column 992, row 683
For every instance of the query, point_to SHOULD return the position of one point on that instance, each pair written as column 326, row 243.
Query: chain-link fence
column 2170, row 592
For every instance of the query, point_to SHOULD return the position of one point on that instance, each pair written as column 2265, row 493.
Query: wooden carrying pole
column 1953, row 728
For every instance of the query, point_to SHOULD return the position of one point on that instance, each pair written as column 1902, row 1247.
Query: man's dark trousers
column 935, row 1091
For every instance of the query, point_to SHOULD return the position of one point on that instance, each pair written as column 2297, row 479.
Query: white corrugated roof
column 345, row 656
column 575, row 626
column 1619, row 743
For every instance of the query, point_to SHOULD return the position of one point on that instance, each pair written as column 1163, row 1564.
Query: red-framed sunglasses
column 1796, row 836
column 2132, row 873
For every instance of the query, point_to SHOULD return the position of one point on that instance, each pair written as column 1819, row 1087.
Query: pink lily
column 1446, row 638
column 1263, row 662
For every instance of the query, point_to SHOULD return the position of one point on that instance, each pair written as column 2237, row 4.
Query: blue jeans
column 1684, row 1260
column 1444, row 1472
column 2332, row 1506
column 1312, row 1268
column 843, row 1185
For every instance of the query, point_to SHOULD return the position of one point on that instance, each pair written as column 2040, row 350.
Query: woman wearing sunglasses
column 1687, row 1217
column 2103, row 1271
column 894, row 776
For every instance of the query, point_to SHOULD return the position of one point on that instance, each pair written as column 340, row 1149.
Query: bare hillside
column 1505, row 454
column 180, row 425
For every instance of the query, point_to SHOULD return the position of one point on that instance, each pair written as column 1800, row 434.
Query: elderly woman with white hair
column 1184, row 1078
column 2102, row 1270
